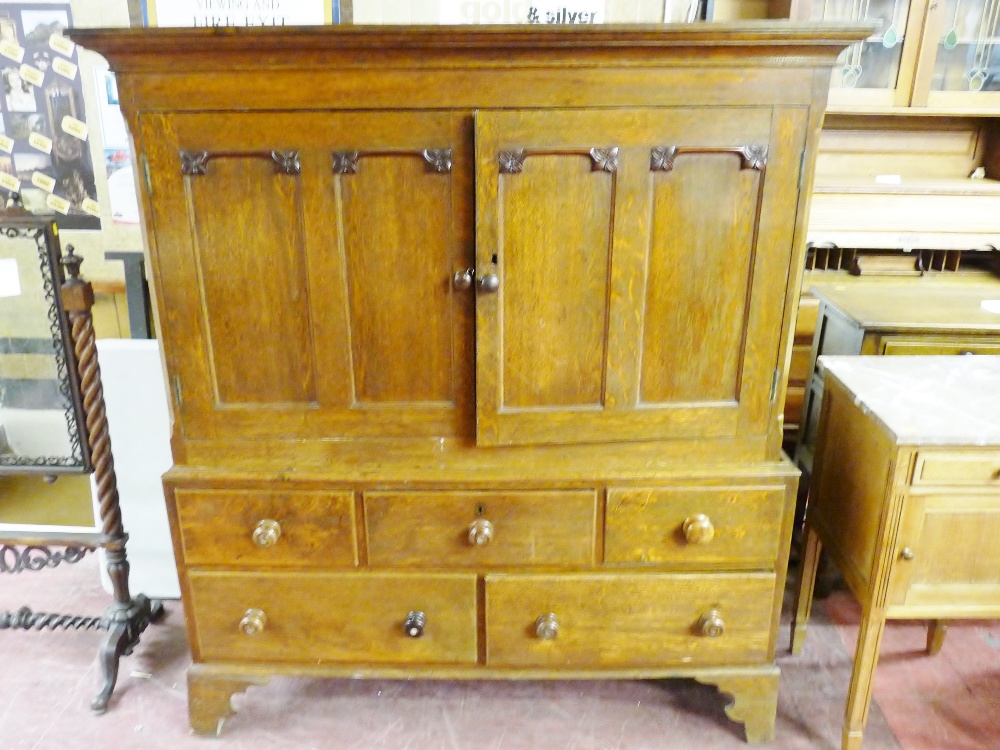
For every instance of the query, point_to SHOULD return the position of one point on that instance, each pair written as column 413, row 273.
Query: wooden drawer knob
column 546, row 627
column 414, row 624
column 253, row 622
column 267, row 533
column 480, row 532
column 698, row 529
column 711, row 624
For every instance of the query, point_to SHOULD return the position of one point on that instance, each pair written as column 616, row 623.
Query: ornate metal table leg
column 128, row 617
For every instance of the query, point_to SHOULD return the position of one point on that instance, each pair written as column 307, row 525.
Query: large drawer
column 334, row 617
column 957, row 468
column 480, row 529
column 642, row 619
column 251, row 527
column 701, row 526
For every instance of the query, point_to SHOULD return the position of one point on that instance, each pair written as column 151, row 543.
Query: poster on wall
column 122, row 198
column 240, row 12
column 44, row 144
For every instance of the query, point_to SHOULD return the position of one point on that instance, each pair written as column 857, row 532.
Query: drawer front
column 896, row 345
column 226, row 527
column 679, row 525
column 611, row 620
column 951, row 559
column 481, row 528
column 335, row 617
column 967, row 467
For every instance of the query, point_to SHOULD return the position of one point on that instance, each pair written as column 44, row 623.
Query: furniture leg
column 210, row 692
column 935, row 636
column 754, row 699
column 807, row 584
column 127, row 622
column 859, row 694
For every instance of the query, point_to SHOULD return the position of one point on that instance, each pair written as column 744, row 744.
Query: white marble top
column 926, row 400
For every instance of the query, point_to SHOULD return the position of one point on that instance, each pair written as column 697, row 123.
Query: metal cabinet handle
column 414, row 624
column 267, row 533
column 698, row 529
column 489, row 283
column 480, row 532
column 711, row 624
column 253, row 622
column 546, row 627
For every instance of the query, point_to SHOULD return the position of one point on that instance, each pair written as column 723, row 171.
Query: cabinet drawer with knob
column 614, row 620
column 254, row 527
column 731, row 526
column 478, row 529
column 335, row 617
column 967, row 467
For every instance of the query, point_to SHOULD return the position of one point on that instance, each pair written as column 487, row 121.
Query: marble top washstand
column 926, row 400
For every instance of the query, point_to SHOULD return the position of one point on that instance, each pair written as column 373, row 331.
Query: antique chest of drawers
column 905, row 499
column 476, row 340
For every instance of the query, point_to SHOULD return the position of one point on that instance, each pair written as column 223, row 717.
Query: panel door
column 632, row 267
column 305, row 264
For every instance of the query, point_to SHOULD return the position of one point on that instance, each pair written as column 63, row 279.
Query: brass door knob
column 480, row 532
column 489, row 283
column 698, row 529
column 906, row 553
column 414, row 624
column 711, row 624
column 546, row 627
column 267, row 533
column 253, row 622
column 462, row 279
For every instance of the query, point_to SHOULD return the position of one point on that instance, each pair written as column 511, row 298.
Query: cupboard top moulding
column 168, row 69
column 444, row 239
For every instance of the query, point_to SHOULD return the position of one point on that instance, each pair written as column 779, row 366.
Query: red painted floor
column 947, row 702
column 950, row 701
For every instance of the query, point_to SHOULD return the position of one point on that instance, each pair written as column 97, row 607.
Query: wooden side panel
column 705, row 213
column 526, row 528
column 609, row 620
column 556, row 244
column 395, row 218
column 335, row 617
column 246, row 219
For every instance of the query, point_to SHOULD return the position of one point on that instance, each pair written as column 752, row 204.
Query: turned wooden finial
column 77, row 294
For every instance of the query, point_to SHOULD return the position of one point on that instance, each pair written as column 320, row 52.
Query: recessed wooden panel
column 335, row 617
column 396, row 215
column 704, row 218
column 246, row 218
column 527, row 528
column 957, row 542
column 555, row 244
column 217, row 527
column 610, row 620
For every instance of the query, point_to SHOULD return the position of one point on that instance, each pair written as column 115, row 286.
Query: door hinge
column 178, row 396
column 774, row 383
column 149, row 180
column 802, row 168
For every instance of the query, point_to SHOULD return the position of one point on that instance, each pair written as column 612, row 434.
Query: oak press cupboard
column 476, row 341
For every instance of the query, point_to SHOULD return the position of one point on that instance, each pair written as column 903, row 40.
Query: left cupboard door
column 305, row 264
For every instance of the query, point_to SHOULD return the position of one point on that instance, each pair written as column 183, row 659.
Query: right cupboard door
column 631, row 270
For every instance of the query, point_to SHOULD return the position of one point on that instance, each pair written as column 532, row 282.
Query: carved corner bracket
column 661, row 158
column 194, row 162
column 754, row 157
column 604, row 159
column 439, row 159
column 287, row 162
column 512, row 162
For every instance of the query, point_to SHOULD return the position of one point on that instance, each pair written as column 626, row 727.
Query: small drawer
column 899, row 345
column 638, row 620
column 253, row 527
column 700, row 526
column 479, row 529
column 957, row 468
column 334, row 617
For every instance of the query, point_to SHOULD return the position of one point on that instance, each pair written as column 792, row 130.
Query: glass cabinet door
column 877, row 72
column 960, row 63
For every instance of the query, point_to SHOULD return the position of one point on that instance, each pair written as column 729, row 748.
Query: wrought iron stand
column 127, row 617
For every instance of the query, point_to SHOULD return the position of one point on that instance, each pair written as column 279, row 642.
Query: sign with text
column 523, row 11
column 240, row 12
